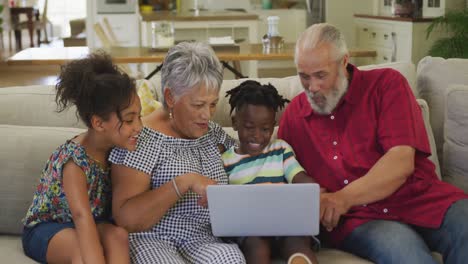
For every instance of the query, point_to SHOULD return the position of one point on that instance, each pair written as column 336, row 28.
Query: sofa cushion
column 407, row 69
column 22, row 157
column 456, row 137
column 148, row 100
column 34, row 106
column 11, row 250
column 434, row 77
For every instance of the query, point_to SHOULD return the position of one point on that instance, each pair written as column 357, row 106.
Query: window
column 60, row 12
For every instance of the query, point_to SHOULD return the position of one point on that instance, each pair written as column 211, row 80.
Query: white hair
column 189, row 65
column 319, row 34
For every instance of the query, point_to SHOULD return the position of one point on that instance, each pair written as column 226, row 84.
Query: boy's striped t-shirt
column 275, row 164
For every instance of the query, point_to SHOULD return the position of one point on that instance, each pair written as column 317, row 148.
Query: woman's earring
column 170, row 114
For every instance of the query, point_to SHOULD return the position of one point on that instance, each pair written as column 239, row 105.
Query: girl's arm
column 137, row 207
column 76, row 191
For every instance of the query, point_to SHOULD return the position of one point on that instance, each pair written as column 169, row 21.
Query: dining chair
column 1, row 26
column 6, row 25
column 38, row 25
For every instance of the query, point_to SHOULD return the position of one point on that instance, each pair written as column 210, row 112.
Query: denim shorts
column 36, row 239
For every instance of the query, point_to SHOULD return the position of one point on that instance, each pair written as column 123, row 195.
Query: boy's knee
column 256, row 246
column 256, row 242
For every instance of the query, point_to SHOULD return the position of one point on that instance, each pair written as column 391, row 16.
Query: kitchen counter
column 202, row 16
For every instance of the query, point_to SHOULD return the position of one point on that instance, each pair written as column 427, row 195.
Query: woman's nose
column 206, row 113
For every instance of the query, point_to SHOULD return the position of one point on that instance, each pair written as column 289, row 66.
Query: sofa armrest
column 455, row 154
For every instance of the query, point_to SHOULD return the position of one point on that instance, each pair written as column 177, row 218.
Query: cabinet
column 429, row 8
column 435, row 8
column 393, row 40
column 124, row 26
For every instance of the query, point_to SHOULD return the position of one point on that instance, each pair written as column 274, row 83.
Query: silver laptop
column 264, row 209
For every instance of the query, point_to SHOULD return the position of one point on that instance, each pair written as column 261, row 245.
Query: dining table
column 225, row 53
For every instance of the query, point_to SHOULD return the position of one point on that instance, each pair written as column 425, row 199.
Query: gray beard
column 331, row 100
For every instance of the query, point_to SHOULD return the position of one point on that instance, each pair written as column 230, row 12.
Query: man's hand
column 332, row 207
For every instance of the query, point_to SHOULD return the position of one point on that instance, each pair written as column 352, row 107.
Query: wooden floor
column 24, row 75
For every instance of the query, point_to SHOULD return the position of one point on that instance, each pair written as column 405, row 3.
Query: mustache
column 331, row 100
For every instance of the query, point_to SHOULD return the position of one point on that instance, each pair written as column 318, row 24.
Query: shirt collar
column 353, row 94
column 304, row 105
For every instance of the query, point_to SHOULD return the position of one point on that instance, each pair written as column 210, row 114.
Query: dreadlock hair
column 95, row 86
column 254, row 93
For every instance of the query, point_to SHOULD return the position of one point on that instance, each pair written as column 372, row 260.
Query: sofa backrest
column 434, row 76
column 289, row 87
column 34, row 106
column 455, row 152
column 22, row 157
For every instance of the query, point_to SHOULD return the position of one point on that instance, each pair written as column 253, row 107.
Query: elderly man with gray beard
column 361, row 136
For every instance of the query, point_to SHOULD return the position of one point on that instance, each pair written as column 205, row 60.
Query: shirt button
column 364, row 205
column 335, row 157
column 332, row 117
column 335, row 143
column 385, row 210
column 346, row 181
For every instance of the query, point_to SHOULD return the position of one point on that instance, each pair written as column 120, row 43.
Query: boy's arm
column 302, row 177
column 76, row 192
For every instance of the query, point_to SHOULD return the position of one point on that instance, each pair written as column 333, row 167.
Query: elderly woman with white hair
column 159, row 190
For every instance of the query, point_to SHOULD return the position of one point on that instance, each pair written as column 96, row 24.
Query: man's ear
column 345, row 60
column 168, row 98
column 97, row 123
column 234, row 122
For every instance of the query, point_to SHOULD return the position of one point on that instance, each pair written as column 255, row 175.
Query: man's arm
column 382, row 180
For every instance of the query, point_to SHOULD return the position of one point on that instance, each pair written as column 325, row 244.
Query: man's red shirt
column 378, row 112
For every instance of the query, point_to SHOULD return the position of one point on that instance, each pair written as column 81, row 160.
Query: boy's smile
column 255, row 125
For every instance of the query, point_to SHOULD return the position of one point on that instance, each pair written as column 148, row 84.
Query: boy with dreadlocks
column 257, row 160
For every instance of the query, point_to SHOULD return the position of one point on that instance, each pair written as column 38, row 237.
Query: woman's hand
column 198, row 184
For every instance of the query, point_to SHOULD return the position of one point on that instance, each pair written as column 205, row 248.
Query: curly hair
column 95, row 86
column 254, row 93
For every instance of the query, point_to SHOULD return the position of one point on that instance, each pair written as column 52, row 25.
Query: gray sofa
column 33, row 130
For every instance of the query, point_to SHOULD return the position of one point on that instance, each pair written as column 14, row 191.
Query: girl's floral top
column 50, row 204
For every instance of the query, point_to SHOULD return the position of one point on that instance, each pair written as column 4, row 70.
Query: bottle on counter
column 162, row 34
column 273, row 22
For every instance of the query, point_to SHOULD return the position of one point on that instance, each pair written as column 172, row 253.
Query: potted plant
column 1, row 21
column 403, row 8
column 455, row 45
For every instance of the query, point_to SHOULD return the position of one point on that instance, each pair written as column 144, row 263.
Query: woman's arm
column 137, row 207
column 76, row 191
